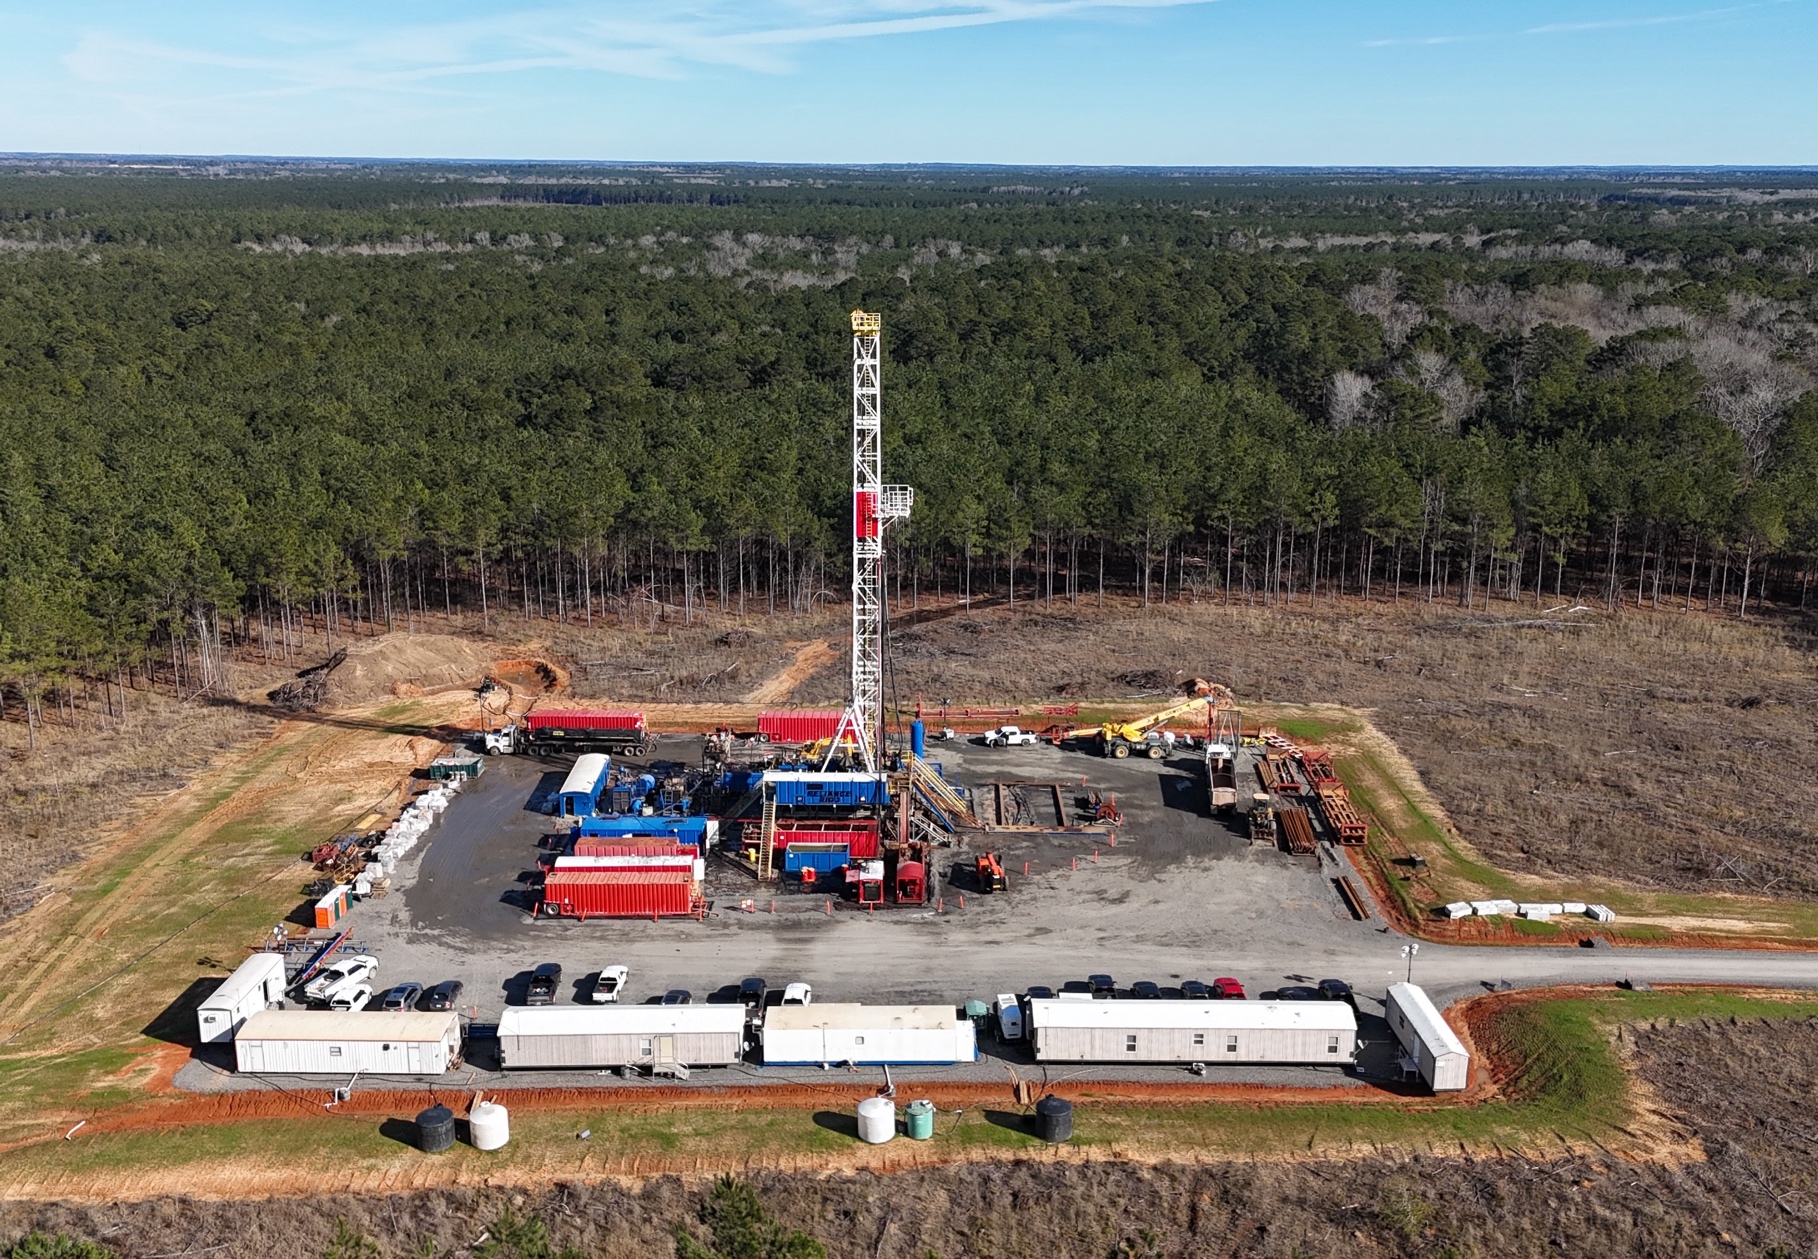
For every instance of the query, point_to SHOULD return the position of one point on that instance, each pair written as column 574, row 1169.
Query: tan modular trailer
column 1433, row 1047
column 658, row 1036
column 1193, row 1031
column 831, row 1032
column 258, row 983
column 324, row 1042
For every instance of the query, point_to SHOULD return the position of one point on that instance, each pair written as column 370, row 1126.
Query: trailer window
column 645, row 1047
column 1231, row 1044
column 1199, row 1038
column 858, row 1040
column 334, row 1051
column 1331, row 1044
column 1130, row 1043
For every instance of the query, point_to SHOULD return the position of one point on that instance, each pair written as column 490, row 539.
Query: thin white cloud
column 641, row 38
column 1573, row 28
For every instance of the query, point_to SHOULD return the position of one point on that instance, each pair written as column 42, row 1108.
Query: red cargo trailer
column 631, row 848
column 618, row 893
column 860, row 837
column 799, row 725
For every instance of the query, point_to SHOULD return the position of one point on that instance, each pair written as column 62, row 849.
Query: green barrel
column 921, row 1120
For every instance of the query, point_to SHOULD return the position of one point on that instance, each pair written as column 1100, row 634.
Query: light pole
column 1408, row 951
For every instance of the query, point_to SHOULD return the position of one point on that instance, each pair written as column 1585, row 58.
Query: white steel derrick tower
column 873, row 505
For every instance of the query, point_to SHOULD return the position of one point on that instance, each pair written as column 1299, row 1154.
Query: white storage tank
column 876, row 1120
column 1433, row 1048
column 256, row 984
column 824, row 1034
column 324, row 1042
column 489, row 1126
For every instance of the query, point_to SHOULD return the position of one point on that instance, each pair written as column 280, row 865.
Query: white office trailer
column 256, row 984
column 1433, row 1048
column 1193, row 1031
column 655, row 1036
column 867, row 1035
column 316, row 1042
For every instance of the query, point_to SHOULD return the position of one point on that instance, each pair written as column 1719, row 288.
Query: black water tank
column 1054, row 1119
column 436, row 1129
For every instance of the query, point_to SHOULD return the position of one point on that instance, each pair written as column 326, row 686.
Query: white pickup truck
column 1011, row 737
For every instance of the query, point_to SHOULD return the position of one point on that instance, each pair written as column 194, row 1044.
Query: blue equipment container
column 820, row 858
column 798, row 789
column 698, row 831
column 918, row 737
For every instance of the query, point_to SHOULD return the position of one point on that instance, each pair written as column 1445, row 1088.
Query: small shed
column 580, row 792
column 333, row 906
column 1433, row 1048
column 315, row 1042
column 256, row 983
column 810, row 1035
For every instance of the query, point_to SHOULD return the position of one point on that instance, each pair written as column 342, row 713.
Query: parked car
column 798, row 994
column 544, row 981
column 352, row 970
column 678, row 996
column 350, row 997
column 1010, row 737
column 1076, row 988
column 443, row 996
column 1145, row 990
column 1039, row 992
column 1194, row 990
column 1337, row 990
column 1102, row 985
column 1298, row 992
column 402, row 997
column 751, row 992
column 610, row 982
column 1227, row 989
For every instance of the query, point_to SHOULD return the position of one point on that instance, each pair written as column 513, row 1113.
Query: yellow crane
column 1120, row 738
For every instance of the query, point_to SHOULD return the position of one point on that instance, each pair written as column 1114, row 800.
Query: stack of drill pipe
column 1296, row 828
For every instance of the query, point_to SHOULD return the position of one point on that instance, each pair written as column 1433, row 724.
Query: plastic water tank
column 919, row 1120
column 918, row 737
column 876, row 1120
column 1054, row 1119
column 489, row 1125
column 436, row 1129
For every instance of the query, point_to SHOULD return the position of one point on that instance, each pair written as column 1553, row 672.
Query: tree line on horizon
column 221, row 420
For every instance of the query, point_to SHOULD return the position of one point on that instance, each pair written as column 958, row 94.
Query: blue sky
column 1202, row 82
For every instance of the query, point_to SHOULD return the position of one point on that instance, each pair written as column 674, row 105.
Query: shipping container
column 256, row 984
column 632, row 846
column 1433, row 1048
column 311, row 1042
column 551, row 731
column 333, row 906
column 867, row 1035
column 461, row 766
column 618, row 893
column 701, row 832
column 1193, row 1031
column 858, row 834
column 800, row 789
column 575, row 1037
column 804, row 725
column 580, row 792
column 818, row 857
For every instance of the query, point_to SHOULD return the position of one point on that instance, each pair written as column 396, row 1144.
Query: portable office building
column 580, row 793
column 809, row 1035
column 1193, row 1031
column 1433, row 1047
column 559, row 1037
column 256, row 983
column 312, row 1042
